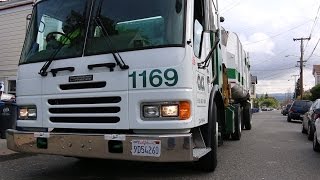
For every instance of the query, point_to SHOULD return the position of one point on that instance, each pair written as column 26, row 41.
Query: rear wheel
column 316, row 145
column 236, row 135
column 247, row 116
column 208, row 162
column 289, row 118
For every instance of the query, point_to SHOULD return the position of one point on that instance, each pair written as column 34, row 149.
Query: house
column 316, row 73
column 13, row 24
column 253, row 93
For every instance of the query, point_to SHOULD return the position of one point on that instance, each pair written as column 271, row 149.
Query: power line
column 313, row 49
column 313, row 26
column 271, row 37
column 273, row 69
column 273, row 76
column 235, row 5
column 275, row 56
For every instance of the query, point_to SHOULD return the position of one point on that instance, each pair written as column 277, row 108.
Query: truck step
column 199, row 152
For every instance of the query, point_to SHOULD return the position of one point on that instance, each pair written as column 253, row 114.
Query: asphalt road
column 273, row 149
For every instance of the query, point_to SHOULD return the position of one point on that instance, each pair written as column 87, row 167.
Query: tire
column 3, row 134
column 316, row 145
column 310, row 132
column 304, row 131
column 247, row 116
column 289, row 118
column 237, row 123
column 208, row 162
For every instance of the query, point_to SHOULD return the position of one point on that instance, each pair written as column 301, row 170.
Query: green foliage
column 256, row 103
column 315, row 92
column 267, row 101
column 307, row 95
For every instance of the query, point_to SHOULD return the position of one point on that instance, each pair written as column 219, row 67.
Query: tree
column 297, row 89
column 269, row 102
column 315, row 92
column 307, row 95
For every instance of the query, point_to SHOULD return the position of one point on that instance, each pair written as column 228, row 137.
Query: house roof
column 254, row 79
column 316, row 69
column 14, row 3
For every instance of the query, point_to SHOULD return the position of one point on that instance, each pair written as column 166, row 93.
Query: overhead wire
column 313, row 26
column 235, row 5
column 276, row 35
column 275, row 55
column 274, row 75
column 273, row 69
column 315, row 47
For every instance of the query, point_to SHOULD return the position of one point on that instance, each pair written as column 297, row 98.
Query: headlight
column 151, row 111
column 169, row 110
column 166, row 110
column 28, row 112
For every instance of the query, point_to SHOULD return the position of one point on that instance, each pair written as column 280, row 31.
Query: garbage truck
column 132, row 80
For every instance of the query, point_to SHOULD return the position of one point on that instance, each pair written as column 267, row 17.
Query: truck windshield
column 62, row 26
column 137, row 24
column 57, row 25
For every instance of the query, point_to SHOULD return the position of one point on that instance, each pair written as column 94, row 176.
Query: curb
column 4, row 151
column 3, row 144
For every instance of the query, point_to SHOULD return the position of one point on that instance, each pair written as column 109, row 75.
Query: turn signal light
column 184, row 110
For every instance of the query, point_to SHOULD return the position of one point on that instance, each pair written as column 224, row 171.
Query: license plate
column 146, row 148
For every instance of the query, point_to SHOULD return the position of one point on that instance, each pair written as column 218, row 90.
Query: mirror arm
column 204, row 64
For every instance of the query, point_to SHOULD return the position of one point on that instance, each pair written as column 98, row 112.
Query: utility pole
column 295, row 85
column 301, row 63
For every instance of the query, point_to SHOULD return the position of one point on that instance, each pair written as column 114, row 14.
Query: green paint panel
column 232, row 73
column 229, row 119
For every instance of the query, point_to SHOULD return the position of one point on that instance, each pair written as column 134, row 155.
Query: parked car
column 309, row 118
column 316, row 134
column 285, row 109
column 298, row 108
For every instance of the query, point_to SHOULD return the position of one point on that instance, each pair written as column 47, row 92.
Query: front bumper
column 174, row 147
column 296, row 116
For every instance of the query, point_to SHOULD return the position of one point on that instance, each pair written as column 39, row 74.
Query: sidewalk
column 3, row 148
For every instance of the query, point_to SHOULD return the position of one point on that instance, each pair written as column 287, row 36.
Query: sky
column 266, row 30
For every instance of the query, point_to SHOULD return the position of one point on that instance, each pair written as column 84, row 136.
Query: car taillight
column 291, row 110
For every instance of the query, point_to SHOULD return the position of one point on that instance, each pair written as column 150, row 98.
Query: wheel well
column 220, row 117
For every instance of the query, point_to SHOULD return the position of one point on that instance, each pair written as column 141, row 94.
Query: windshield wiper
column 43, row 70
column 114, row 52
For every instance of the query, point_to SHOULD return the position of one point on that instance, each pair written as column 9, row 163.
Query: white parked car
column 316, row 139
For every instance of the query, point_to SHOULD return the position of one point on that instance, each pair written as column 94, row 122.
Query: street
column 273, row 149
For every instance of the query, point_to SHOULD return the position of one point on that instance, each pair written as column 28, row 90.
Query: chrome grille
column 85, row 110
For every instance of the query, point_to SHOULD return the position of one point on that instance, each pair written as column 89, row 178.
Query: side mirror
column 317, row 111
column 221, row 19
column 28, row 19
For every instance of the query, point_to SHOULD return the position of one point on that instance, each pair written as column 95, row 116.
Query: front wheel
column 209, row 162
column 316, row 145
